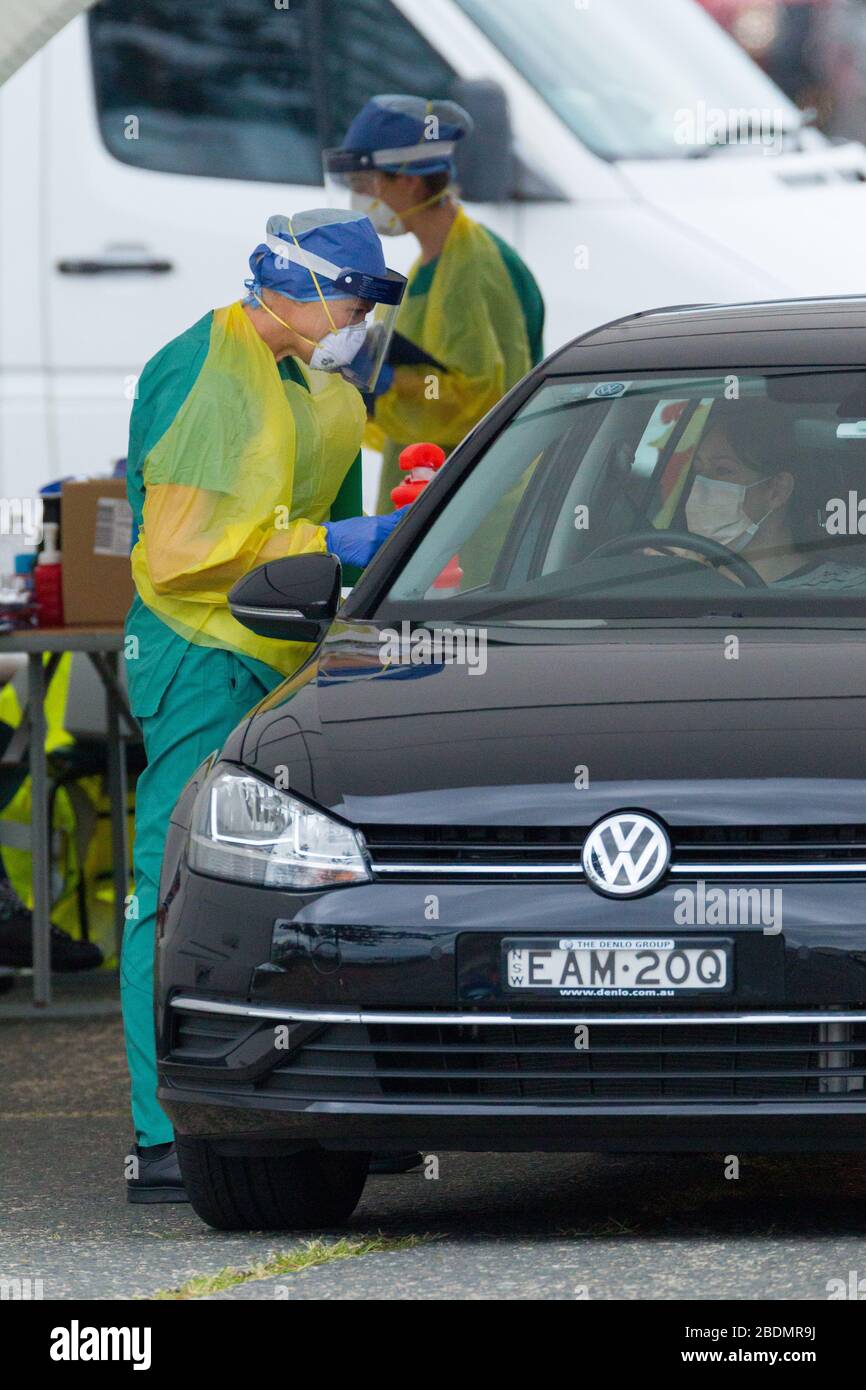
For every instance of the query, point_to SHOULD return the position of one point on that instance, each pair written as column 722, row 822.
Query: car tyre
column 302, row 1191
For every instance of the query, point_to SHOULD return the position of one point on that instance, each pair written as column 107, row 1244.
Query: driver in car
column 743, row 497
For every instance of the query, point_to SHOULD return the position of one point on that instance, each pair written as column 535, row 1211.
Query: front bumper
column 360, row 1018
column 256, row 1076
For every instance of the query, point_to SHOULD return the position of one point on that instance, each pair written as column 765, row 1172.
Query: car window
column 657, row 497
column 242, row 89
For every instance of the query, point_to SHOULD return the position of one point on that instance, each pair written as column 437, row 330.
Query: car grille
column 778, row 844
column 493, row 1063
column 544, row 852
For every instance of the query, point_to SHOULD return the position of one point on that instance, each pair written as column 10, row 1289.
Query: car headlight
column 249, row 831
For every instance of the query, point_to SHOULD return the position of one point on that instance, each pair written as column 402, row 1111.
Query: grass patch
column 313, row 1252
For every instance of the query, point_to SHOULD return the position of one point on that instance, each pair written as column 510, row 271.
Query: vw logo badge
column 625, row 854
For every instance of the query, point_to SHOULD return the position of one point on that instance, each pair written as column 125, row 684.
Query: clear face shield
column 368, row 336
column 361, row 190
column 341, row 182
column 361, row 309
column 355, row 178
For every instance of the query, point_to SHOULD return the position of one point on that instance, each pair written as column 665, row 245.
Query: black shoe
column 396, row 1162
column 16, row 946
column 158, row 1175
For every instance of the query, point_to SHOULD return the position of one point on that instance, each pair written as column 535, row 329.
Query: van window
column 241, row 89
column 221, row 89
column 372, row 48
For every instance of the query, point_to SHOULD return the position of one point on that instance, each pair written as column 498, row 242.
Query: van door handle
column 114, row 267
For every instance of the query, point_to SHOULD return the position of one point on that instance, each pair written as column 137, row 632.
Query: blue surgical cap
column 347, row 239
column 403, row 122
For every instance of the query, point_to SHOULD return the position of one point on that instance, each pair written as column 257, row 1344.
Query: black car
column 558, row 839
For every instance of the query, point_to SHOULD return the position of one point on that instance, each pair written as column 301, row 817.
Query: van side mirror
column 293, row 599
column 486, row 164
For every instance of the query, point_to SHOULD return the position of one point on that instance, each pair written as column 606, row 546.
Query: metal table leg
column 117, row 796
column 41, row 832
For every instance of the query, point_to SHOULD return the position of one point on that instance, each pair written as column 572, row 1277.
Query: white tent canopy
column 25, row 25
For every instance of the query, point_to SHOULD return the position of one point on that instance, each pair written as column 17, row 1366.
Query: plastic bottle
column 48, row 577
column 422, row 462
column 25, row 564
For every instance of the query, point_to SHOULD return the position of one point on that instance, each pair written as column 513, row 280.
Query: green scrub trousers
column 187, row 700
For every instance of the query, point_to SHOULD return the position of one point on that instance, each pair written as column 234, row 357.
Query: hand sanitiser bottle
column 48, row 579
column 421, row 463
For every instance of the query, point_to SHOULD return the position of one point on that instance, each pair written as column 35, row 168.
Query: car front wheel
column 304, row 1191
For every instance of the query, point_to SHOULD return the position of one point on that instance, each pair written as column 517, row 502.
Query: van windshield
column 706, row 496
column 638, row 79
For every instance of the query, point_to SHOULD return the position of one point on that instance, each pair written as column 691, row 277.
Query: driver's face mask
column 715, row 509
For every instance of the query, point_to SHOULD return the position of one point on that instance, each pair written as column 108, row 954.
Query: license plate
column 618, row 966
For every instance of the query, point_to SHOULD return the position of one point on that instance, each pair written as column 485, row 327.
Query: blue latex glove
column 356, row 540
column 385, row 382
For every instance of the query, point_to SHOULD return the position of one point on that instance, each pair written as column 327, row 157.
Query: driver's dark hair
column 759, row 431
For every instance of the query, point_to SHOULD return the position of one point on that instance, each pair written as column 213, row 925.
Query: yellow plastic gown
column 232, row 462
column 472, row 320
column 222, row 491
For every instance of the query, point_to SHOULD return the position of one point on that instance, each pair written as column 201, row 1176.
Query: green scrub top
column 163, row 387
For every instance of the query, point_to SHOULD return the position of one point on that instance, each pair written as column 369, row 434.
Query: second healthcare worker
column 244, row 438
column 472, row 321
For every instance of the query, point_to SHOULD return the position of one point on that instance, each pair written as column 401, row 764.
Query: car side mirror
column 486, row 163
column 293, row 599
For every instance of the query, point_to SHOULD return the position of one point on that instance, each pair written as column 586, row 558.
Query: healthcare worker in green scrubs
column 472, row 322
column 244, row 447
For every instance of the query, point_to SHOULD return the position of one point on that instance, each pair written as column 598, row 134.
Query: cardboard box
column 95, row 533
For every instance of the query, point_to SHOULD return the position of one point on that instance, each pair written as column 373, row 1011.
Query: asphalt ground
column 489, row 1226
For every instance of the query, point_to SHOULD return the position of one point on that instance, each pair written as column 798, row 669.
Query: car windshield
column 718, row 496
column 637, row 79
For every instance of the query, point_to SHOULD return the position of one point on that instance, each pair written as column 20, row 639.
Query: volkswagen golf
column 557, row 839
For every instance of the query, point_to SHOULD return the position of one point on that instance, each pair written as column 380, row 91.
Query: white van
column 143, row 149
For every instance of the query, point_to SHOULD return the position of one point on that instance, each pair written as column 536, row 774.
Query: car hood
column 794, row 218
column 559, row 729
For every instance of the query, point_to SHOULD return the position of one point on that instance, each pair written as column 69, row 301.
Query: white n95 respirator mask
column 386, row 221
column 337, row 349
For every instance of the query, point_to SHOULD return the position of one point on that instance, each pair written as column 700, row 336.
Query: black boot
column 402, row 1162
column 157, row 1177
column 67, row 954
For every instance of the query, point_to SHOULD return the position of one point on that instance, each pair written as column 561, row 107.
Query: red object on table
column 48, row 586
column 422, row 462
